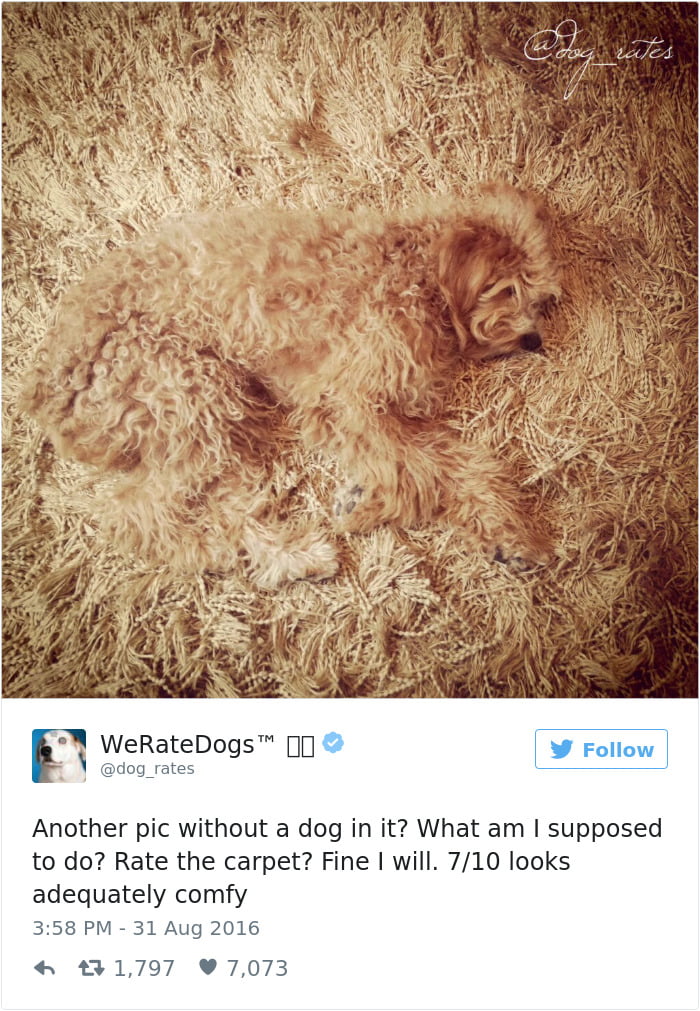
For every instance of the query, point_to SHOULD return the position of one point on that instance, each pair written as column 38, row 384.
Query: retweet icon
column 561, row 750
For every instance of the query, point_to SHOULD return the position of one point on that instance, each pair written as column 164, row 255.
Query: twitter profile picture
column 59, row 756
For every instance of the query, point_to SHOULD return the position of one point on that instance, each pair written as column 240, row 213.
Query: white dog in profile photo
column 60, row 755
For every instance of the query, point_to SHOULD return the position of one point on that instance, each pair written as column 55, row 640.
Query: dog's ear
column 80, row 746
column 38, row 750
column 457, row 279
column 467, row 260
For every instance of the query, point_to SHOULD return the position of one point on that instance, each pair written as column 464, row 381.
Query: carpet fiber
column 116, row 115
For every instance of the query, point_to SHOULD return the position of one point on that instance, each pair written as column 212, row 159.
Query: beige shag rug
column 116, row 115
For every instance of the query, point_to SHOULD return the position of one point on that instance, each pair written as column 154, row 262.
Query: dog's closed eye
column 546, row 304
column 496, row 289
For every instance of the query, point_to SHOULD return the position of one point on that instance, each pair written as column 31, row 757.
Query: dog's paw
column 357, row 510
column 346, row 500
column 313, row 559
column 517, row 563
column 528, row 553
column 320, row 564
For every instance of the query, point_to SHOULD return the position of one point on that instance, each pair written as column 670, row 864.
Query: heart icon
column 207, row 965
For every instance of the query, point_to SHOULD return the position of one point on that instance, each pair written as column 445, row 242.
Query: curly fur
column 177, row 358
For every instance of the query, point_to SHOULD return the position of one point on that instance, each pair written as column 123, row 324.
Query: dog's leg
column 276, row 552
column 477, row 495
column 211, row 530
column 411, row 473
column 279, row 554
column 195, row 433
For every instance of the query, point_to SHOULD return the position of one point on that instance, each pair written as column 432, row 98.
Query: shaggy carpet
column 116, row 115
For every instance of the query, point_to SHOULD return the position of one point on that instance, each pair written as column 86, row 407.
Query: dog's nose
column 531, row 342
column 46, row 751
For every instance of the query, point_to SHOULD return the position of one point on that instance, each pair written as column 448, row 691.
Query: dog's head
column 497, row 274
column 58, row 747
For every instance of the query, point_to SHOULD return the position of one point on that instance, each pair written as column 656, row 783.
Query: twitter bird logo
column 561, row 750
